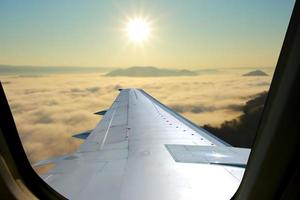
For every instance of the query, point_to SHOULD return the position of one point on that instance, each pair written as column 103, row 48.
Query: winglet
column 102, row 112
column 82, row 135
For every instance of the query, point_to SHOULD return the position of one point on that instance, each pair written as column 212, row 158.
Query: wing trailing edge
column 52, row 160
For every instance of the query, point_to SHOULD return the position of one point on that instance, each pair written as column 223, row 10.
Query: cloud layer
column 49, row 109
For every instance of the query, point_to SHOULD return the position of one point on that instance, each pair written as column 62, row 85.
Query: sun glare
column 138, row 30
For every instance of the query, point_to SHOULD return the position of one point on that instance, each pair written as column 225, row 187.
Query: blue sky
column 185, row 34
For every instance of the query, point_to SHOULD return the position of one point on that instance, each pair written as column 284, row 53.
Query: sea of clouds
column 49, row 109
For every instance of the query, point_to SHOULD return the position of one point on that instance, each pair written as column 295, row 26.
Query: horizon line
column 86, row 66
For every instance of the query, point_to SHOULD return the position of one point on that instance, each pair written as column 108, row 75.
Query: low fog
column 49, row 109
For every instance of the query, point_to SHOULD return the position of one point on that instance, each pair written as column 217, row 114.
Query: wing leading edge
column 142, row 149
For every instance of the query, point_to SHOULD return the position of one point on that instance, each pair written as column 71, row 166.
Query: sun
column 138, row 30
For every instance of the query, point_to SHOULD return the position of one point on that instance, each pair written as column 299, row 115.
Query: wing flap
column 229, row 156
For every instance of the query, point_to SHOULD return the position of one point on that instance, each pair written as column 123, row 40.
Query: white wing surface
column 143, row 150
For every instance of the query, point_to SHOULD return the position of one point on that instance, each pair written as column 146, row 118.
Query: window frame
column 267, row 174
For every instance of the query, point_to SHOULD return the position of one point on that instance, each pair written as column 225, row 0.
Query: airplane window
column 201, row 69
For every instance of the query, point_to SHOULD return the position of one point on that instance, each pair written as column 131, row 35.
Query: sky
column 184, row 34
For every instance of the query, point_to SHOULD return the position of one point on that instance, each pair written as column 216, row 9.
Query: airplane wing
column 142, row 149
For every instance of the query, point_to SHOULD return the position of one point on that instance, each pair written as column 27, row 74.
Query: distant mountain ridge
column 138, row 71
column 256, row 73
column 37, row 70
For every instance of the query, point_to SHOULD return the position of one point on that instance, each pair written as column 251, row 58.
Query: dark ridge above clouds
column 138, row 71
column 240, row 132
column 29, row 71
column 256, row 73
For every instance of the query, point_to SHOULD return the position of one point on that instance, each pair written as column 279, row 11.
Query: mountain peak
column 256, row 73
column 149, row 71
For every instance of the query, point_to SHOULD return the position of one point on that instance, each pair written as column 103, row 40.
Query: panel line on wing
column 107, row 130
